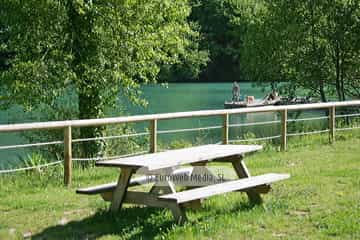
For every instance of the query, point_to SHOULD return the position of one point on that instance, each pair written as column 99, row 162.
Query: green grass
column 320, row 201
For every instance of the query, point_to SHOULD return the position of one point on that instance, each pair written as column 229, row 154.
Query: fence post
column 67, row 156
column 332, row 122
column 284, row 130
column 153, row 136
column 226, row 128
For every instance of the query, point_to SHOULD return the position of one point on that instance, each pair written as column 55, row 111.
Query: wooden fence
column 67, row 126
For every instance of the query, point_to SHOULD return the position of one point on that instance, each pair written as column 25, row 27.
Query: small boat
column 266, row 101
column 296, row 100
column 255, row 103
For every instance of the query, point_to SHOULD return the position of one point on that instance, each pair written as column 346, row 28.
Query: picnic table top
column 172, row 158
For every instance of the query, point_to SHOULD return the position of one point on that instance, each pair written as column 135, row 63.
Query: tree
column 342, row 34
column 219, row 38
column 90, row 49
column 312, row 45
column 5, row 56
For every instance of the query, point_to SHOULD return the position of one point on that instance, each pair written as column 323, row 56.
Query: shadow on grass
column 129, row 223
column 204, row 214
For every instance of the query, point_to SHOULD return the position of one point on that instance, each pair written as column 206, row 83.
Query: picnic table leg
column 242, row 172
column 121, row 188
column 178, row 212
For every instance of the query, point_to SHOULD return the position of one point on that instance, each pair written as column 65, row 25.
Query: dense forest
column 311, row 45
column 91, row 50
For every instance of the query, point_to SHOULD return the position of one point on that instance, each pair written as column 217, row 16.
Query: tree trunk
column 89, row 107
column 342, row 73
column 322, row 92
column 338, row 87
column 84, row 46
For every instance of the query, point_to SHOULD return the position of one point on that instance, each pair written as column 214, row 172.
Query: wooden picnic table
column 169, row 162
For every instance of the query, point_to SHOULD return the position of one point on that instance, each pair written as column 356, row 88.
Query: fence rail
column 154, row 118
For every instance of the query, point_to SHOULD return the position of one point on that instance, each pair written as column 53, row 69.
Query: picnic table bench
column 168, row 162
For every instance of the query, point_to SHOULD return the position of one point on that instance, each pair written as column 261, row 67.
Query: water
column 202, row 96
column 174, row 98
column 178, row 97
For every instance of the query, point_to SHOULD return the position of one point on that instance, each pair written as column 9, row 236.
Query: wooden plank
column 226, row 129
column 117, row 120
column 109, row 187
column 230, row 158
column 284, row 118
column 180, row 157
column 121, row 188
column 153, row 136
column 221, row 188
column 143, row 198
column 332, row 124
column 67, row 156
column 195, row 204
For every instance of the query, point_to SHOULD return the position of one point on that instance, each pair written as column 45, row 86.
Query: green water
column 204, row 96
column 191, row 96
column 174, row 98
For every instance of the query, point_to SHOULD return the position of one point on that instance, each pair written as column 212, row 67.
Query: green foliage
column 220, row 37
column 192, row 63
column 309, row 44
column 93, row 50
column 89, row 45
column 42, row 176
column 33, row 160
column 248, row 138
column 179, row 144
column 125, row 145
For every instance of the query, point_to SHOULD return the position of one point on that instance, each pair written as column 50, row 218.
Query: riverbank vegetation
column 319, row 201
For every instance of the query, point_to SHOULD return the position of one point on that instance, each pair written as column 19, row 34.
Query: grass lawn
column 321, row 200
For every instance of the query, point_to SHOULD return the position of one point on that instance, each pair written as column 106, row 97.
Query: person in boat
column 273, row 95
column 235, row 92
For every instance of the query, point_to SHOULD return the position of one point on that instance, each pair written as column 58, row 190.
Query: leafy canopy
column 92, row 47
